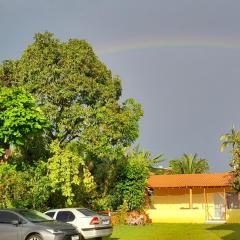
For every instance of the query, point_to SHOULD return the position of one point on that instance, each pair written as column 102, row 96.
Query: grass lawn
column 176, row 232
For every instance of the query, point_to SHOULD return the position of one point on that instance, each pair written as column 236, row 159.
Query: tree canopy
column 89, row 125
column 77, row 93
column 19, row 117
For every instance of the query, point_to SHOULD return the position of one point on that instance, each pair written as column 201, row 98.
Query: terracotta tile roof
column 190, row 180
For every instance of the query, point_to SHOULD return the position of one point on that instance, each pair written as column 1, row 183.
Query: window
column 65, row 216
column 8, row 217
column 232, row 200
column 33, row 216
column 87, row 212
column 50, row 214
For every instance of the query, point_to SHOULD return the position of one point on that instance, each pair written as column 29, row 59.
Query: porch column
column 225, row 203
column 205, row 203
column 190, row 198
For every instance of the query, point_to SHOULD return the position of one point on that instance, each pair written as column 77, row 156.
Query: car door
column 8, row 230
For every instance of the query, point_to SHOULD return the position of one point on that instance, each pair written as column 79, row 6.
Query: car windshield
column 34, row 216
column 87, row 212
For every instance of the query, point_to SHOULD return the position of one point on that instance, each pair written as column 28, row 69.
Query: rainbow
column 170, row 42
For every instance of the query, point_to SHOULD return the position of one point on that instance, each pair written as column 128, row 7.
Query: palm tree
column 189, row 164
column 233, row 139
column 230, row 139
column 154, row 162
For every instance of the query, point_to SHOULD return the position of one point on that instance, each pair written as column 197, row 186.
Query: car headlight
column 53, row 231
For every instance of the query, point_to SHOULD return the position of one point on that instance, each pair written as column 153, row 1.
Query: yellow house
column 193, row 198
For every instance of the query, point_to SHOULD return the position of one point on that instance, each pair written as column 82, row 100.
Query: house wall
column 233, row 216
column 172, row 206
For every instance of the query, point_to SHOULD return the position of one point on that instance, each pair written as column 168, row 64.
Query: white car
column 89, row 223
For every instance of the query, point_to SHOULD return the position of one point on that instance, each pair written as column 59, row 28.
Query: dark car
column 22, row 224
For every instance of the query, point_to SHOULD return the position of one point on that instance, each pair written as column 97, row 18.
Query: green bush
column 27, row 187
column 121, row 214
column 130, row 187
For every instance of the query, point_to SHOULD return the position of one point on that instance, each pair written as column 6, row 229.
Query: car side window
column 65, row 216
column 8, row 217
column 50, row 214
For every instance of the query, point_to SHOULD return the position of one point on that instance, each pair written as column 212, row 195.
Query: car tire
column 81, row 237
column 34, row 237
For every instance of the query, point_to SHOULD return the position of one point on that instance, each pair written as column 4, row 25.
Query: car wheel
column 34, row 237
column 81, row 237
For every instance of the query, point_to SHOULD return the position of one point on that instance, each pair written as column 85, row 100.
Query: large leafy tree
column 77, row 93
column 188, row 164
column 81, row 100
column 19, row 118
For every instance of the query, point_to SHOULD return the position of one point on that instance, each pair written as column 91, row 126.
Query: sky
column 179, row 59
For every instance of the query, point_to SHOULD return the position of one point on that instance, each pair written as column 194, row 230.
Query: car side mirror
column 15, row 222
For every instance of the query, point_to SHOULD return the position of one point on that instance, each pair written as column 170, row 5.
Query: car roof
column 57, row 209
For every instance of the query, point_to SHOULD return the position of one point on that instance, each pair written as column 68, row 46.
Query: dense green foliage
column 132, row 180
column 66, row 170
column 19, row 117
column 77, row 93
column 89, row 129
column 188, row 164
column 24, row 186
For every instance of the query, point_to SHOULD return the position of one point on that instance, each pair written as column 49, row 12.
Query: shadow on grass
column 227, row 231
column 113, row 238
column 110, row 238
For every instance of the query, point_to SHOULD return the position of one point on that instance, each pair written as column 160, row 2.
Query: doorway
column 216, row 209
column 219, row 206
